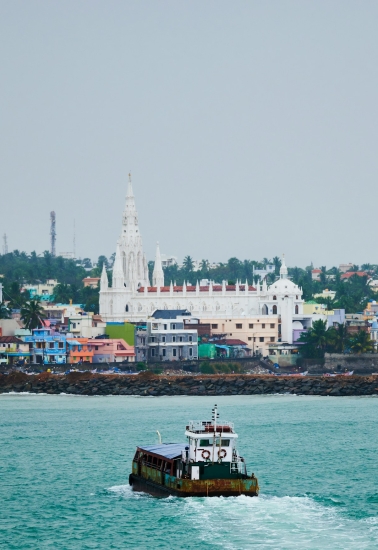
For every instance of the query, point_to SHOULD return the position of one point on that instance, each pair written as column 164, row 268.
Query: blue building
column 47, row 347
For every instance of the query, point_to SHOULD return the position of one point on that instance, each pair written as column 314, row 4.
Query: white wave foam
column 126, row 491
column 277, row 522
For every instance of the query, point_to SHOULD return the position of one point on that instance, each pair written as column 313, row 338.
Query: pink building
column 112, row 350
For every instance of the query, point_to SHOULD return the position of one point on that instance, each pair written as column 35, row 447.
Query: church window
column 127, row 307
column 274, row 297
column 296, row 310
column 264, row 310
column 274, row 310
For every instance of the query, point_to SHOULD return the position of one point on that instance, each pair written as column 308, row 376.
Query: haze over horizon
column 250, row 128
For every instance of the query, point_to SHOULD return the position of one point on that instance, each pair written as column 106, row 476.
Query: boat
column 208, row 465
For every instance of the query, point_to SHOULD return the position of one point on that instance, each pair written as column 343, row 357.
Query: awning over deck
column 168, row 450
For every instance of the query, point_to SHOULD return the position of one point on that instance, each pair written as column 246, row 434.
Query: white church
column 132, row 298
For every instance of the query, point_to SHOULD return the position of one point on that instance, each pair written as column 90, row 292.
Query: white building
column 132, row 298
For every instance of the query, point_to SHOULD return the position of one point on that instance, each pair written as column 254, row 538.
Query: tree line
column 319, row 340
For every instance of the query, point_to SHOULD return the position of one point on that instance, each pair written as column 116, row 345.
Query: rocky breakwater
column 148, row 384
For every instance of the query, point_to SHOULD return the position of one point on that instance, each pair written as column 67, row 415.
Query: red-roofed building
column 349, row 274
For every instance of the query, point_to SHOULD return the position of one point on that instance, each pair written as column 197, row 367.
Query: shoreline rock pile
column 148, row 384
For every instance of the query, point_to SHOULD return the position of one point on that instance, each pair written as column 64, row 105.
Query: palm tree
column 4, row 311
column 277, row 264
column 338, row 338
column 188, row 263
column 62, row 293
column 205, row 266
column 32, row 314
column 362, row 343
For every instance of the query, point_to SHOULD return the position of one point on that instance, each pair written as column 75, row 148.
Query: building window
column 296, row 310
column 214, row 326
column 163, row 338
column 51, row 345
column 174, row 352
column 249, row 337
column 173, row 326
column 152, row 339
column 263, row 325
column 274, row 297
column 190, row 352
column 173, row 338
column 274, row 310
column 250, row 325
column 272, row 325
column 272, row 339
column 239, row 325
column 261, row 339
column 180, row 339
column 165, row 327
column 61, row 345
column 153, row 352
column 190, row 338
column 164, row 352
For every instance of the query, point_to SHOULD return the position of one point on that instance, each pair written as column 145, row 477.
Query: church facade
column 132, row 298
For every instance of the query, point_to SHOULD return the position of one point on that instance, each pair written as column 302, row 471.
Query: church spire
column 118, row 277
column 158, row 273
column 104, row 283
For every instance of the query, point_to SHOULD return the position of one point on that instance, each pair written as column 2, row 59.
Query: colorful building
column 47, row 346
column 80, row 350
column 114, row 350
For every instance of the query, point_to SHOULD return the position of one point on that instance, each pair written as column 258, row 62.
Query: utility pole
column 74, row 239
column 5, row 245
column 52, row 233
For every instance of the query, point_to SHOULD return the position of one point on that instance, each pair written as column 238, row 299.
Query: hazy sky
column 250, row 127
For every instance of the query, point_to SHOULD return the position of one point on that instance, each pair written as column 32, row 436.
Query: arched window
column 264, row 310
column 296, row 310
column 127, row 307
column 274, row 310
column 274, row 297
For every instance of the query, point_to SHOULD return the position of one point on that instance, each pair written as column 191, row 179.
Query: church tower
column 131, row 255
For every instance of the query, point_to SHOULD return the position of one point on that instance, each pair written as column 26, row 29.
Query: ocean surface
column 65, row 463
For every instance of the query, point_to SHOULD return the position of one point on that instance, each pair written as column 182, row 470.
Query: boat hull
column 196, row 488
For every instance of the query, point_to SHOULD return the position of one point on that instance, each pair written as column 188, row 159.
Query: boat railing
column 204, row 426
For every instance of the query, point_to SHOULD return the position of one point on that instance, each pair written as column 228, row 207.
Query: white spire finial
column 158, row 273
column 283, row 269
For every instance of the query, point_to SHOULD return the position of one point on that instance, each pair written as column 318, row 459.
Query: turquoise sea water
column 65, row 462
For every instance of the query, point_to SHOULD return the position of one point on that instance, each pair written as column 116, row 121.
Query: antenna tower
column 52, row 232
column 74, row 239
column 5, row 245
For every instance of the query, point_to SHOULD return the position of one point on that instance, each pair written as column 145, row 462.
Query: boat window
column 224, row 443
column 205, row 443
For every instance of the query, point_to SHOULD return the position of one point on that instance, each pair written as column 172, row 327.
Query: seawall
column 151, row 385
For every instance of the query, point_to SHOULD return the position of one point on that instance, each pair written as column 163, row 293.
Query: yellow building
column 313, row 308
column 258, row 332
